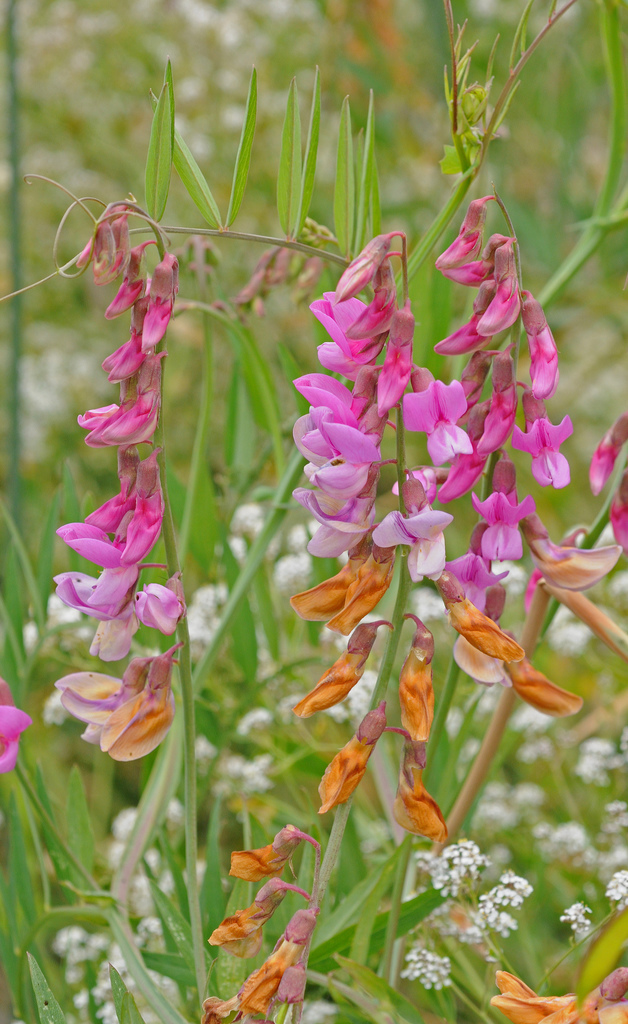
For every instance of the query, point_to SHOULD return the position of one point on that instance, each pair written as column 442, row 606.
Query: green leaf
column 244, row 640
column 170, row 965
column 349, row 911
column 46, row 549
column 118, row 990
column 376, row 210
column 176, row 924
column 169, row 82
column 159, row 156
column 243, row 157
column 130, row 1013
column 344, row 189
column 267, row 613
column 122, row 934
column 365, row 189
column 519, row 38
column 49, row 1010
column 212, row 896
column 194, row 182
column 450, row 163
column 289, row 176
column 385, row 997
column 602, row 956
column 311, row 150
column 19, row 874
column 27, row 570
column 80, row 834
column 230, row 971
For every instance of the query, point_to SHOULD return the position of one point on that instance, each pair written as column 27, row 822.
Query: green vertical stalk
column 444, row 704
column 13, row 484
column 189, row 729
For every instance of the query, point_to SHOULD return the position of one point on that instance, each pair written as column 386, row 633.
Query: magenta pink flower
column 13, row 722
column 126, row 360
column 470, row 274
column 465, row 339
column 104, row 598
column 344, row 355
column 466, row 468
column 139, row 532
column 363, row 268
column 133, row 284
column 397, row 367
column 377, row 316
column 110, row 249
column 542, row 440
column 503, row 309
column 469, row 241
column 342, row 522
column 109, row 516
column 605, row 455
column 543, row 353
column 471, row 572
column 321, row 390
column 435, row 412
column 164, row 286
column 423, row 531
column 503, row 408
column 502, row 540
column 91, row 543
column 135, row 419
column 619, row 513
column 158, row 607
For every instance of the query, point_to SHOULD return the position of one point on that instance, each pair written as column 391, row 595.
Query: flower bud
column 328, row 598
column 543, row 352
column 414, row 809
column 478, row 629
column 416, row 693
column 111, row 247
column 292, row 985
column 260, row 987
column 619, row 512
column 533, row 687
column 346, row 770
column 267, row 861
column 340, row 679
column 615, row 986
column 469, row 241
column 371, row 583
column 569, row 567
column 605, row 455
column 362, row 269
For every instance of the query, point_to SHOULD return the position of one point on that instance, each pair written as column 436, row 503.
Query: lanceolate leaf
column 344, row 189
column 80, row 835
column 243, row 158
column 194, row 182
column 159, row 157
column 289, row 177
column 49, row 1010
column 311, row 150
column 366, row 179
column 168, row 81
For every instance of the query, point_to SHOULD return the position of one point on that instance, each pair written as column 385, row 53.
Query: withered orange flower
column 260, row 987
column 473, row 625
column 328, row 598
column 215, row 1010
column 371, row 583
column 414, row 809
column 241, row 933
column 416, row 693
column 340, row 679
column 537, row 690
column 566, row 566
column 349, row 765
column 267, row 861
column 605, row 1005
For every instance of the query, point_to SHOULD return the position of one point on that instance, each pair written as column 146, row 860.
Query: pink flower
column 133, row 284
column 543, row 353
column 397, row 367
column 337, row 318
column 605, row 455
column 435, row 412
column 566, row 566
column 126, row 360
column 104, row 598
column 109, row 516
column 542, row 441
column 110, row 248
column 502, row 540
column 423, row 531
column 140, row 532
column 470, row 274
column 473, row 377
column 158, row 607
column 91, row 543
column 503, row 408
column 469, row 241
column 363, row 268
column 135, row 419
column 465, row 339
column 471, row 572
column 13, row 722
column 112, row 639
column 427, row 477
column 466, row 468
column 164, row 286
column 504, row 308
column 619, row 513
column 377, row 316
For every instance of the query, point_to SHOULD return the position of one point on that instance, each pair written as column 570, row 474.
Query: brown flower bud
column 329, row 597
column 371, row 583
column 414, row 809
column 349, row 765
column 416, row 693
column 537, row 690
column 477, row 628
column 340, row 679
column 267, row 861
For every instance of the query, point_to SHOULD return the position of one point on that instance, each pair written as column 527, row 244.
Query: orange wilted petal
column 371, row 583
column 512, row 985
column 477, row 628
column 215, row 1010
column 477, row 665
column 260, row 987
column 267, row 861
column 416, row 693
column 138, row 726
column 565, row 566
column 414, row 809
column 328, row 598
column 593, row 617
column 537, row 690
column 340, row 679
column 346, row 770
column 522, row 1010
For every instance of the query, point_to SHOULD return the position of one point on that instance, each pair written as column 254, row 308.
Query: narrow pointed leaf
column 118, row 990
column 212, row 894
column 18, row 864
column 311, row 151
column 159, row 157
column 175, row 923
column 519, row 39
column 376, row 210
column 243, row 158
column 80, row 835
column 344, row 189
column 289, row 177
column 166, row 1012
column 130, row 1013
column 170, row 965
column 194, row 182
column 366, row 178
column 168, row 81
column 49, row 1010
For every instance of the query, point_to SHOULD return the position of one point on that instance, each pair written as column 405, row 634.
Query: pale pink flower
column 435, row 411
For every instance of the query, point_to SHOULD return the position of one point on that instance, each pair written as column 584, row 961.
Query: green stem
column 388, row 661
column 331, row 853
column 444, row 704
column 388, row 967
column 189, row 729
column 245, row 236
column 14, row 484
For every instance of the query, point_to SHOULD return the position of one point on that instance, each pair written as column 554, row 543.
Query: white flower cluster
column 244, row 775
column 617, row 889
column 431, row 970
column 596, row 758
column 203, row 618
column 565, row 842
column 247, row 521
column 502, row 807
column 291, row 573
column 576, row 917
column 567, row 634
column 511, row 891
column 459, row 863
column 204, row 752
column 54, row 712
column 617, row 817
column 256, row 718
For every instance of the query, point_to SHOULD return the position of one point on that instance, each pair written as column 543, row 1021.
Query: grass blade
column 49, row 1010
column 344, row 189
column 25, row 563
column 311, row 151
column 80, row 834
column 46, row 550
column 243, row 158
column 159, row 156
column 289, row 176
column 365, row 189
column 194, row 182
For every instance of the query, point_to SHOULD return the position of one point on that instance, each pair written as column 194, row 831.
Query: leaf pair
column 295, row 181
